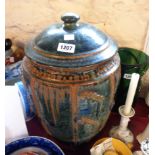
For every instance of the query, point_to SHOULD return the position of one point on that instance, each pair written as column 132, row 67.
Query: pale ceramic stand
column 122, row 132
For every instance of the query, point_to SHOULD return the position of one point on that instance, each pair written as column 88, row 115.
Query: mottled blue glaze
column 33, row 141
column 88, row 108
column 74, row 92
column 88, row 40
column 26, row 100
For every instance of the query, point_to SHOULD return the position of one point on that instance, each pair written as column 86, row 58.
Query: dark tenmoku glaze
column 73, row 93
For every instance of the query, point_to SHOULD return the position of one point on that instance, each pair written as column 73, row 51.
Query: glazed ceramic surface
column 26, row 100
column 72, row 71
column 120, row 147
column 36, row 144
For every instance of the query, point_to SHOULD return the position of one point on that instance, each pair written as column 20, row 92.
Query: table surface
column 136, row 125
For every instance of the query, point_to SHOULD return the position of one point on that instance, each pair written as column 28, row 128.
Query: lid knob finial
column 70, row 18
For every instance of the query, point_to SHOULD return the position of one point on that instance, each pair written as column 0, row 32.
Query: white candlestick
column 124, row 123
column 131, row 93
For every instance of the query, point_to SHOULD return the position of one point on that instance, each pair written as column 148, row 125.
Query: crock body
column 73, row 102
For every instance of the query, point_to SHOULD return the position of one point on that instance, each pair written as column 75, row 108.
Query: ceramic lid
column 71, row 44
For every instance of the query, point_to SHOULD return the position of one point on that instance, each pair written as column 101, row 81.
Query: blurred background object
column 145, row 146
column 145, row 133
column 13, row 60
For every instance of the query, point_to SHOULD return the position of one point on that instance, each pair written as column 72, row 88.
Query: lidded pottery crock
column 72, row 71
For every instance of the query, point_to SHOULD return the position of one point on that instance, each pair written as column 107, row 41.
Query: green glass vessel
column 132, row 61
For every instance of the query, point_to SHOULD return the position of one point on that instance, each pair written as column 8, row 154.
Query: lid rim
column 75, row 56
column 82, row 46
column 104, row 55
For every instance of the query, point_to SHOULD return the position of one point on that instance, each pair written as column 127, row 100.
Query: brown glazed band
column 48, row 74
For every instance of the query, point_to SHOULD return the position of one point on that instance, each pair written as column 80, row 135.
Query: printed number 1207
column 64, row 47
